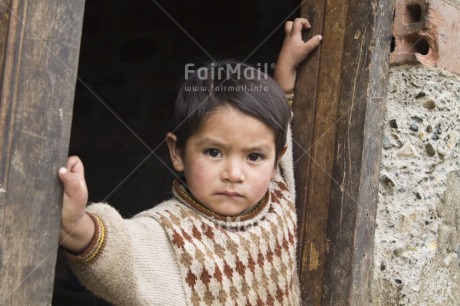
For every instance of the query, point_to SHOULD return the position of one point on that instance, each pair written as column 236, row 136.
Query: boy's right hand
column 293, row 51
column 77, row 228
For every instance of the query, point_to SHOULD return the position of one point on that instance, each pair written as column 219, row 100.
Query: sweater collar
column 245, row 219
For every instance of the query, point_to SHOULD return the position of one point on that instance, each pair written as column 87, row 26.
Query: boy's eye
column 255, row 157
column 213, row 152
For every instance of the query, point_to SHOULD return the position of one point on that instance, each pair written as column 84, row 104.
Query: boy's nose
column 233, row 171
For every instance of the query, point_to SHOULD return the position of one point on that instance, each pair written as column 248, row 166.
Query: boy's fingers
column 306, row 23
column 62, row 171
column 288, row 27
column 299, row 24
column 312, row 43
column 74, row 165
column 70, row 181
column 73, row 161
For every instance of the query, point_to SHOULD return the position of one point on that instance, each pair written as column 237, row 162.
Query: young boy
column 228, row 236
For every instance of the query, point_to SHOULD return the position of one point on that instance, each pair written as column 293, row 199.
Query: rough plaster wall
column 416, row 260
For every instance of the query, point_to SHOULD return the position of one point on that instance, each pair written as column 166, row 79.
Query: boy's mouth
column 229, row 194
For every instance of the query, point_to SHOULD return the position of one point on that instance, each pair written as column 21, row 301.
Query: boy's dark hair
column 230, row 83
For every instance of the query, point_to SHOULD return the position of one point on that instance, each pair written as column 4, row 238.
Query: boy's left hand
column 293, row 51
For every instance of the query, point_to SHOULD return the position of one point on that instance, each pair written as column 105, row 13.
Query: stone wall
column 417, row 240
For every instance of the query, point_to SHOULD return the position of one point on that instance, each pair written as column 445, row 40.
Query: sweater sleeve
column 136, row 265
column 286, row 165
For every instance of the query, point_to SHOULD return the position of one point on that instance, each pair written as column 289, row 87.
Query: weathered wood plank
column 4, row 25
column 338, row 111
column 312, row 228
column 4, row 120
column 39, row 77
column 358, row 165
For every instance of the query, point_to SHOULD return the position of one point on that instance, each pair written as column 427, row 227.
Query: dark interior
column 132, row 60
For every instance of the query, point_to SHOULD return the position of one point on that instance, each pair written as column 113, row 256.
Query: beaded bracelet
column 94, row 249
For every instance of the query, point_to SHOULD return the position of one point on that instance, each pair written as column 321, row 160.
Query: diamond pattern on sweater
column 232, row 264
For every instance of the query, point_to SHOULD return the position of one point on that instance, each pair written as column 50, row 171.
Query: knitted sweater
column 180, row 253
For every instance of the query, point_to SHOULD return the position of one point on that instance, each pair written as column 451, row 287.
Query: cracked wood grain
column 39, row 56
column 338, row 111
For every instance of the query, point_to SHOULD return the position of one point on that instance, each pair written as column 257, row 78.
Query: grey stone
column 387, row 142
column 387, row 182
column 393, row 123
column 438, row 129
column 429, row 104
column 420, row 95
column 430, row 150
column 413, row 127
column 407, row 150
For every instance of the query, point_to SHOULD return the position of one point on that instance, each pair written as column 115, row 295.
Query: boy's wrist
column 76, row 236
column 285, row 77
column 94, row 247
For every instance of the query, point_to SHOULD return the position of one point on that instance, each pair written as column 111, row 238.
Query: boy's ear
column 283, row 150
column 275, row 168
column 174, row 152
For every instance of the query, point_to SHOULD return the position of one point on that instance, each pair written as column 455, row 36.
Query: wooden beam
column 39, row 48
column 338, row 113
column 4, row 113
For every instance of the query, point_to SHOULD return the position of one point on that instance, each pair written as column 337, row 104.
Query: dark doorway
column 132, row 61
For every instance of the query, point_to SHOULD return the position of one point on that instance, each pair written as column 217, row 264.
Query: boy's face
column 229, row 162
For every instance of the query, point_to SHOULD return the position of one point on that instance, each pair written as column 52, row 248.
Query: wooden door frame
column 39, row 49
column 338, row 115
